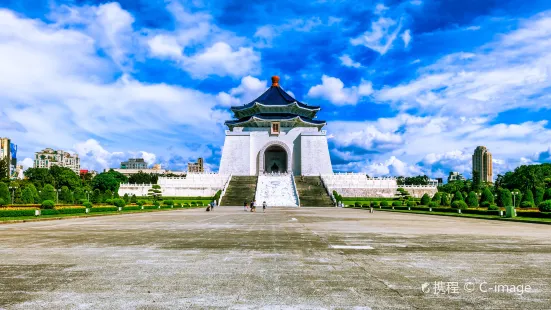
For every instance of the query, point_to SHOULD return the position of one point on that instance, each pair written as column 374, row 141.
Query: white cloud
column 381, row 36
column 333, row 90
column 93, row 156
column 511, row 72
column 348, row 62
column 380, row 8
column 266, row 33
column 406, row 37
column 249, row 89
column 26, row 163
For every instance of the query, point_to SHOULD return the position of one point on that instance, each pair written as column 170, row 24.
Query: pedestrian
column 264, row 207
column 212, row 206
column 245, row 206
column 252, row 206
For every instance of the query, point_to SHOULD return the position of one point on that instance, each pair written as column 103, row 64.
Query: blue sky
column 407, row 87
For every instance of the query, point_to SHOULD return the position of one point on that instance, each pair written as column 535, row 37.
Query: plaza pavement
column 307, row 258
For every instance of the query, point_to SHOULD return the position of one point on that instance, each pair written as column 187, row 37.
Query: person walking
column 212, row 206
column 245, row 206
column 264, row 207
column 252, row 206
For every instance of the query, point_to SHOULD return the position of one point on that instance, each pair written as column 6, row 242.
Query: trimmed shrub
column 413, row 203
column 459, row 204
column 472, row 200
column 425, row 199
column 126, row 198
column 130, row 208
column 457, row 197
column 109, row 201
column 13, row 213
column 186, row 205
column 487, row 196
column 527, row 204
column 133, row 199
column 156, row 204
column 149, row 207
column 547, row 194
column 505, row 198
column 70, row 210
column 375, row 204
column 49, row 212
column 433, row 204
column 168, row 203
column 384, row 203
column 140, row 203
column 47, row 204
column 396, row 203
column 527, row 197
column 545, row 206
column 87, row 204
column 493, row 207
column 178, row 205
column 357, row 204
column 445, row 200
column 485, row 204
column 104, row 209
column 119, row 202
column 437, row 198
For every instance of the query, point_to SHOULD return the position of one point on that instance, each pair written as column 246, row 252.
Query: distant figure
column 264, row 207
column 245, row 206
column 208, row 208
column 212, row 206
column 253, row 207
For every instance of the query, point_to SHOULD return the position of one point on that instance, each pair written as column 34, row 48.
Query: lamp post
column 57, row 196
column 12, row 193
column 515, row 193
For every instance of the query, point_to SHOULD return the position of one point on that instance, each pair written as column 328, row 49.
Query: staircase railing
column 224, row 190
column 328, row 191
column 295, row 189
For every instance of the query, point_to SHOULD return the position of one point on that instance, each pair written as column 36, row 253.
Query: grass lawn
column 478, row 216
column 4, row 220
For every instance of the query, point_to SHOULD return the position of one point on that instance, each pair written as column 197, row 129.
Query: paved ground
column 302, row 258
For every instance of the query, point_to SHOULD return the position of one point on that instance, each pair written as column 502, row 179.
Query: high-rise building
column 134, row 163
column 8, row 151
column 48, row 157
column 196, row 167
column 482, row 164
column 455, row 176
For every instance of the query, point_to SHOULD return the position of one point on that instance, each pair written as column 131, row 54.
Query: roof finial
column 275, row 81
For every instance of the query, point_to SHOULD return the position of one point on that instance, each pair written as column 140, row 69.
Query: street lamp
column 12, row 193
column 515, row 193
column 57, row 195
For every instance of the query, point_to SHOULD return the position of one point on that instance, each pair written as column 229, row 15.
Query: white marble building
column 275, row 133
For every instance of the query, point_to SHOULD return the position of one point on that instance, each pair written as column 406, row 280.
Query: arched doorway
column 275, row 159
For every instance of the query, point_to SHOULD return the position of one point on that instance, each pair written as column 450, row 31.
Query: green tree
column 96, row 196
column 79, row 194
column 518, row 198
column 133, row 199
column 64, row 177
column 17, row 196
column 487, row 196
column 39, row 177
column 505, row 198
column 437, row 198
column 48, row 193
column 539, row 192
column 527, row 199
column 425, row 199
column 126, row 198
column 402, row 194
column 107, row 195
column 27, row 196
column 5, row 193
column 66, row 195
column 141, row 178
column 472, row 200
column 446, row 201
column 457, row 197
column 155, row 192
column 547, row 194
column 109, row 180
column 36, row 196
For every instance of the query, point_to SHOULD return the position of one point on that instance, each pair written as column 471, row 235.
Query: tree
column 141, row 178
column 4, row 168
column 539, row 194
column 518, row 198
column 39, row 176
column 32, row 188
column 487, row 196
column 107, row 195
column 79, row 194
column 126, row 198
column 27, row 196
column 48, row 193
column 154, row 192
column 66, row 195
column 527, row 200
column 64, row 177
column 109, row 180
column 457, row 197
column 133, row 199
column 437, row 198
column 547, row 194
column 425, row 200
column 17, row 195
column 505, row 198
column 472, row 200
column 445, row 199
column 5, row 193
column 96, row 196
column 402, row 194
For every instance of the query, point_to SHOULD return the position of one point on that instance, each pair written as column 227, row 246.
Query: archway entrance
column 275, row 159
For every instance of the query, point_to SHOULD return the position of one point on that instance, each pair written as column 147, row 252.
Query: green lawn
column 478, row 216
column 92, row 214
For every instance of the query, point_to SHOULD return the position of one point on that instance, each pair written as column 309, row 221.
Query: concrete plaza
column 308, row 258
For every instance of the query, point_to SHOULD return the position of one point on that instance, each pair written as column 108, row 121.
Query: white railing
column 296, row 190
column 224, row 189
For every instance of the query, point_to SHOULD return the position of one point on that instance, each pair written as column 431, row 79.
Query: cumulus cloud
column 406, row 37
column 333, row 90
column 380, row 37
column 93, row 156
column 249, row 89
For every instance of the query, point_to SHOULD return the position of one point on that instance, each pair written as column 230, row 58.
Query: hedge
column 150, row 207
column 13, row 213
column 534, row 214
column 130, row 208
column 370, row 199
column 104, row 209
column 62, row 211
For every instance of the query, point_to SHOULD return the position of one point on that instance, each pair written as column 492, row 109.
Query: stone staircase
column 278, row 190
column 311, row 192
column 241, row 188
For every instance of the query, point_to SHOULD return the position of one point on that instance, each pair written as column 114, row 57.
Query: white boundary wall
column 195, row 184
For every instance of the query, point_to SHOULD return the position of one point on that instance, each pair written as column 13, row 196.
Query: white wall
column 315, row 158
column 236, row 154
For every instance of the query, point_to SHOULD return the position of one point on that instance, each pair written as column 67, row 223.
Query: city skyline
column 405, row 91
